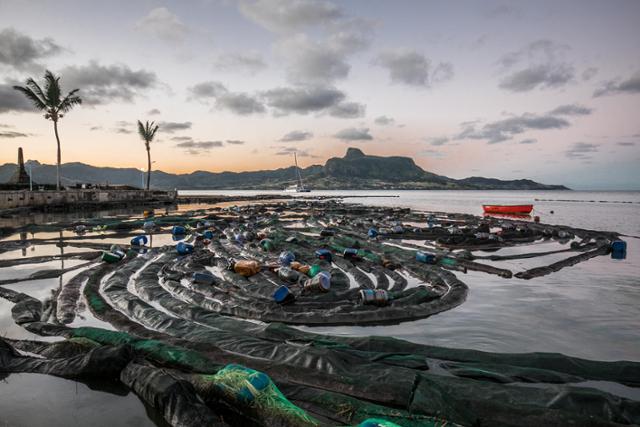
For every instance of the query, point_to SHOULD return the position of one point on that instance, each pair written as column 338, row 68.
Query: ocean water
column 590, row 310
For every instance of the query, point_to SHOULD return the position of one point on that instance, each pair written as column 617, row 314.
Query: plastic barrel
column 350, row 253
column 184, row 248
column 178, row 230
column 320, row 282
column 619, row 249
column 425, row 257
column 204, row 278
column 139, row 241
column 283, row 295
column 324, row 254
column 286, row 258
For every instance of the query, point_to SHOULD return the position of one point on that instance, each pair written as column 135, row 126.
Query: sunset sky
column 548, row 90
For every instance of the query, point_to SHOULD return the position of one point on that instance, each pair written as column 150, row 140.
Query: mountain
column 356, row 170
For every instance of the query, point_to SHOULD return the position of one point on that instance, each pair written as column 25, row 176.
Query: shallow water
column 591, row 310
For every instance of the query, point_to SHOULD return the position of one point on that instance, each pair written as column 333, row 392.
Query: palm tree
column 147, row 131
column 51, row 102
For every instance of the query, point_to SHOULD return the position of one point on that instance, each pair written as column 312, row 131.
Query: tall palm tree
column 50, row 101
column 147, row 132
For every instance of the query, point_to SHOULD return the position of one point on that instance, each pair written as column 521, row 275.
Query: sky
column 547, row 90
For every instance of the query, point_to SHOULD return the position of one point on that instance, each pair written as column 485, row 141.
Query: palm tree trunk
column 55, row 129
column 148, row 166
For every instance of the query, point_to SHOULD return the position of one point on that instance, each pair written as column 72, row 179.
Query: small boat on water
column 299, row 186
column 508, row 209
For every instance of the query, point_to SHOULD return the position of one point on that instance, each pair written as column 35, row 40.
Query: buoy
column 208, row 234
column 372, row 233
column 350, row 253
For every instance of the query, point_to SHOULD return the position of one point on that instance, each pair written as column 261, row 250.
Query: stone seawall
column 44, row 199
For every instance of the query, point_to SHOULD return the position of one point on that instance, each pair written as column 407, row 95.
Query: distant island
column 355, row 171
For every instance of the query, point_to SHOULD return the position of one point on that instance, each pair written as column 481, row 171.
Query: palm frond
column 35, row 99
column 147, row 131
column 69, row 101
column 35, row 87
column 52, row 87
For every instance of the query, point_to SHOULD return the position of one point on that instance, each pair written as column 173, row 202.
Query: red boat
column 508, row 209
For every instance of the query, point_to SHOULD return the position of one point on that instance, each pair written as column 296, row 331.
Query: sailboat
column 299, row 186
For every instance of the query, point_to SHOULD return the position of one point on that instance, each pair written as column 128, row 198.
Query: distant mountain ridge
column 355, row 170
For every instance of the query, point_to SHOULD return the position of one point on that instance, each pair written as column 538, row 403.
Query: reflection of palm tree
column 50, row 101
column 147, row 132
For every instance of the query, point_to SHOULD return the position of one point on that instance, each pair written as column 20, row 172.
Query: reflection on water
column 34, row 400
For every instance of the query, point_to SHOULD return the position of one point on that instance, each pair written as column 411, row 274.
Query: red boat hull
column 508, row 209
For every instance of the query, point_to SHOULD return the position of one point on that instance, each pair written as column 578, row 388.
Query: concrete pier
column 93, row 197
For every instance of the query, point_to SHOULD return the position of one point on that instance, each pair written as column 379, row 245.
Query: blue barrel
column 324, row 254
column 204, row 278
column 619, row 249
column 425, row 257
column 283, row 295
column 139, row 240
column 184, row 248
column 372, row 232
column 208, row 234
column 286, row 258
column 178, row 230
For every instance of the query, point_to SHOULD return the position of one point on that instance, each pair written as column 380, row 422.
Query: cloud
column 23, row 53
column 302, row 100
column 197, row 147
column 589, row 73
column 543, row 76
column 287, row 151
column 94, row 128
column 539, row 64
column 171, row 127
column 235, row 142
column 248, row 62
column 354, row 134
column 122, row 130
column 529, row 141
column 412, row 68
column 626, row 144
column 348, row 110
column 181, row 138
column 281, row 16
column 100, row 84
column 437, row 141
column 432, row 153
column 581, row 151
column 237, row 102
column 505, row 129
column 161, row 23
column 617, row 86
column 13, row 101
column 384, row 121
column 296, row 135
column 324, row 61
column 9, row 134
column 153, row 112
column 571, row 110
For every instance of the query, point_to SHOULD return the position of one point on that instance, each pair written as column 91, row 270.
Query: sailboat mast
column 295, row 158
